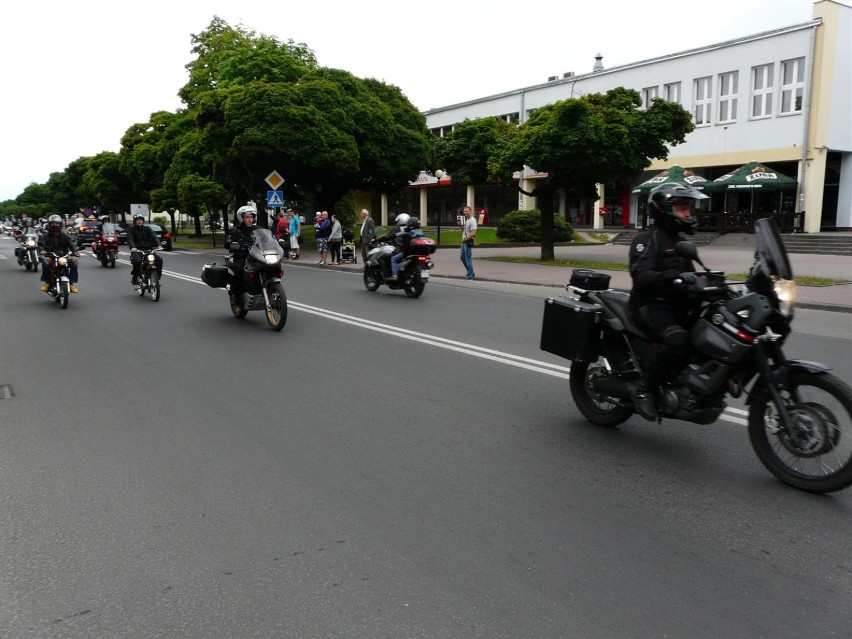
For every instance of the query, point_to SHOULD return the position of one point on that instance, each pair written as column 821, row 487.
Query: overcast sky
column 76, row 75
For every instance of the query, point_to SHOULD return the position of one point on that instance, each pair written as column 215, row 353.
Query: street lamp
column 438, row 175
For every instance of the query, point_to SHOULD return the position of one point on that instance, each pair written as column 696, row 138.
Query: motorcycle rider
column 142, row 238
column 656, row 304
column 401, row 239
column 56, row 241
column 26, row 229
column 240, row 238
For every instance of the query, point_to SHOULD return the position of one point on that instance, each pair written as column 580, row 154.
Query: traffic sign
column 275, row 180
column 274, row 199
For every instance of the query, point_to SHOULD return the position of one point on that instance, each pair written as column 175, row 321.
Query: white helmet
column 245, row 210
column 402, row 219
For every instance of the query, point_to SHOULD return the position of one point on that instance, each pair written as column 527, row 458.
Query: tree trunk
column 544, row 201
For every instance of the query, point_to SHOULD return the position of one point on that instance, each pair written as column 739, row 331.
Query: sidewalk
column 447, row 264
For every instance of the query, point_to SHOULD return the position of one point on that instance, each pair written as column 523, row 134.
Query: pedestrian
column 368, row 233
column 295, row 233
column 468, row 228
column 282, row 232
column 335, row 239
column 322, row 226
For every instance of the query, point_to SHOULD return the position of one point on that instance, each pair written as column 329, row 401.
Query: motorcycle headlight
column 30, row 243
column 271, row 258
column 63, row 261
column 786, row 292
column 151, row 258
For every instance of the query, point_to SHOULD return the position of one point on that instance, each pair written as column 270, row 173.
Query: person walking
column 335, row 239
column 468, row 227
column 295, row 233
column 368, row 233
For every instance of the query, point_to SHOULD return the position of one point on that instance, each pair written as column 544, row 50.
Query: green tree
column 465, row 152
column 580, row 142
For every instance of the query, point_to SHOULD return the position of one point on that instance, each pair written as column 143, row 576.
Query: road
column 384, row 467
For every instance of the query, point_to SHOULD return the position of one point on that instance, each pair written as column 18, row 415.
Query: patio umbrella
column 672, row 174
column 753, row 175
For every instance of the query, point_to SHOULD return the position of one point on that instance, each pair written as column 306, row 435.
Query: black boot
column 644, row 403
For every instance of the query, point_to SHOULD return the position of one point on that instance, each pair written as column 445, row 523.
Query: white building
column 780, row 97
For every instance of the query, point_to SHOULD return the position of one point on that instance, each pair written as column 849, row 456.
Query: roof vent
column 598, row 64
column 569, row 74
column 552, row 78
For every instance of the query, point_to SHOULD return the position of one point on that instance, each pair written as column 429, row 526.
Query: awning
column 672, row 174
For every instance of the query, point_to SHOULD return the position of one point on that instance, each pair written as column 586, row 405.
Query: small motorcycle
column 413, row 269
column 262, row 275
column 27, row 252
column 149, row 281
column 105, row 248
column 799, row 415
column 59, row 285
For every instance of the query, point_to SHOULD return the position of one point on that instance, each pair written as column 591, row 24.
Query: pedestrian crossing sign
column 275, row 199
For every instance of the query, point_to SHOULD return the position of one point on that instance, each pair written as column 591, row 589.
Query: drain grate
column 6, row 391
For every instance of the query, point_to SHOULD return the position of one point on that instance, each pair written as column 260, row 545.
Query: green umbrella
column 753, row 175
column 672, row 174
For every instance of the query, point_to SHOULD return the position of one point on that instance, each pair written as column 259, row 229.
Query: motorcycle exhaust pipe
column 612, row 387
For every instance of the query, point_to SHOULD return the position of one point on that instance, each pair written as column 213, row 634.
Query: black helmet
column 665, row 196
column 413, row 223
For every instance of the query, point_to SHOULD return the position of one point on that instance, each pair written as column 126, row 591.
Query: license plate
column 424, row 275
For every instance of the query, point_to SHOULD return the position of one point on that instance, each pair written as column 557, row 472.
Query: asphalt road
column 384, row 467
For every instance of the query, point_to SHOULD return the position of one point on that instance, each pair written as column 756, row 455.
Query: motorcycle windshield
column 264, row 244
column 769, row 247
column 108, row 229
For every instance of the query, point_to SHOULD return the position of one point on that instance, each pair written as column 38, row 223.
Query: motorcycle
column 262, row 273
column 799, row 414
column 105, row 248
column 59, row 285
column 413, row 269
column 27, row 252
column 149, row 281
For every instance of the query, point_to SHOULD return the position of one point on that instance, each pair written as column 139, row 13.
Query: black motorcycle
column 261, row 278
column 413, row 269
column 149, row 280
column 799, row 415
column 27, row 252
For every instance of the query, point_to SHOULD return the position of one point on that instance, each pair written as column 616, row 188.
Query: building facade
column 780, row 97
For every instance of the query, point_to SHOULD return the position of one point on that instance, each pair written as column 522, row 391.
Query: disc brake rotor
column 814, row 430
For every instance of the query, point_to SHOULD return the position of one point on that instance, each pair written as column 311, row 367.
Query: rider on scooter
column 142, row 238
column 55, row 241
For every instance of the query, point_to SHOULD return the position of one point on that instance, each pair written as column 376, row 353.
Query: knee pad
column 676, row 340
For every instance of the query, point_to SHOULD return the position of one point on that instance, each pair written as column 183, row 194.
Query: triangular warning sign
column 275, row 200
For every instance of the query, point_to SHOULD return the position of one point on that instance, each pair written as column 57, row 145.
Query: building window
column 792, row 85
column 671, row 92
column 728, row 89
column 648, row 95
column 761, row 91
column 703, row 101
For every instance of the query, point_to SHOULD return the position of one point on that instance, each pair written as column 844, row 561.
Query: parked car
column 83, row 231
column 121, row 231
column 162, row 234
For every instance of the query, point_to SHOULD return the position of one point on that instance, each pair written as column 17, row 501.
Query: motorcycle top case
column 571, row 329
column 422, row 246
column 589, row 280
column 214, row 275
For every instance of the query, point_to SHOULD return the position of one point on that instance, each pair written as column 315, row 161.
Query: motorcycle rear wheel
column 154, row 286
column 276, row 316
column 239, row 311
column 817, row 458
column 371, row 281
column 595, row 407
column 414, row 287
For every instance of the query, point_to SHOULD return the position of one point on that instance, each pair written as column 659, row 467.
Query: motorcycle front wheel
column 154, row 286
column 593, row 405
column 371, row 280
column 64, row 294
column 112, row 260
column 414, row 287
column 276, row 315
column 143, row 286
column 814, row 452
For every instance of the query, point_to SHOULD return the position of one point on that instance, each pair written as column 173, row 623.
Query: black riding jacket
column 142, row 238
column 241, row 237
column 654, row 266
column 58, row 243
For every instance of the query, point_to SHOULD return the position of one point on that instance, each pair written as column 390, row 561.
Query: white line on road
column 546, row 368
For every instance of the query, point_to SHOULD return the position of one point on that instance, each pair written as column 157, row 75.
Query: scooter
column 105, row 248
